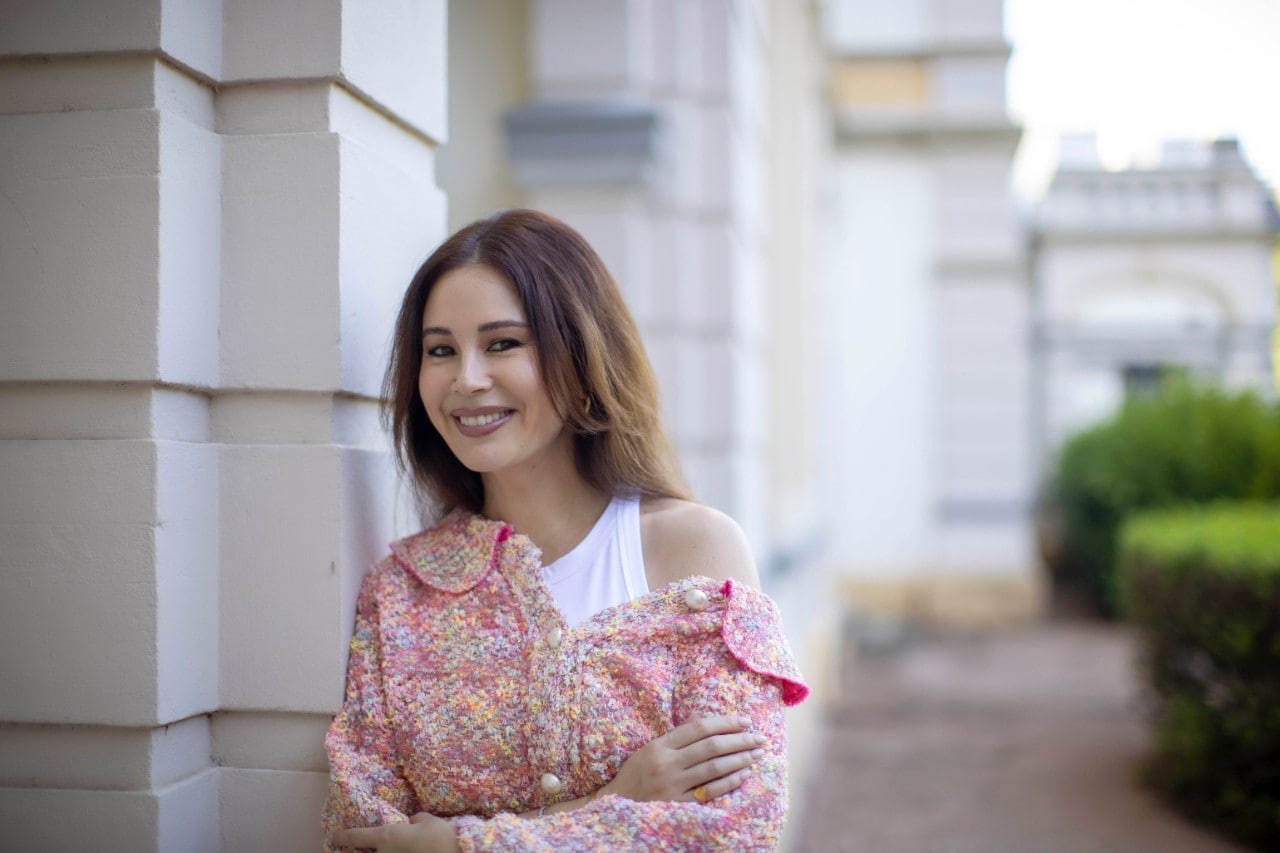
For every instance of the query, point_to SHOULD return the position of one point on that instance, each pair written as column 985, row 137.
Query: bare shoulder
column 683, row 539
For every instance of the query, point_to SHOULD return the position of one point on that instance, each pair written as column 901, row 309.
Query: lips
column 475, row 423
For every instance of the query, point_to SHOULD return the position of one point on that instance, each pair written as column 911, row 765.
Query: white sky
column 1138, row 71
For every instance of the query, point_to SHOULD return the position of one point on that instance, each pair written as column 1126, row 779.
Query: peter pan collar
column 456, row 554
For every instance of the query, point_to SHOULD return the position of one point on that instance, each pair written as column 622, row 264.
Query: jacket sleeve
column 366, row 784
column 747, row 669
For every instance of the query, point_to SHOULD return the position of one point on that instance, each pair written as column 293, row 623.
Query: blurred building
column 1147, row 269
column 926, row 406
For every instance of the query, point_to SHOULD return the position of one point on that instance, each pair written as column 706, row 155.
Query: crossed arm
column 699, row 761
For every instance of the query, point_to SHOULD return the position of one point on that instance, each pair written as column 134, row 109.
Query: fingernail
column 761, row 739
column 744, row 721
column 757, row 753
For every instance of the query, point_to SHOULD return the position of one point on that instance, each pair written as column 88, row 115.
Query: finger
column 719, row 767
column 368, row 836
column 718, row 745
column 419, row 817
column 718, row 787
column 704, row 727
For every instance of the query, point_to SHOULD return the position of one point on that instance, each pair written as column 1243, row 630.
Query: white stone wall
column 929, row 444
column 208, row 213
column 686, row 246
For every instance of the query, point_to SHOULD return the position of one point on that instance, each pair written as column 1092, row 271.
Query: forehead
column 472, row 293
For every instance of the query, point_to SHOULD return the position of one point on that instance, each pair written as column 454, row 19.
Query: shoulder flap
column 753, row 632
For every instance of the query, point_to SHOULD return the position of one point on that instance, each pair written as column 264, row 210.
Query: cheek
column 430, row 393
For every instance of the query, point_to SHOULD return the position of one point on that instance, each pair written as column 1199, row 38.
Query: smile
column 483, row 420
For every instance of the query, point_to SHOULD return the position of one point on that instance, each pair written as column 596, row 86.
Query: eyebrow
column 491, row 326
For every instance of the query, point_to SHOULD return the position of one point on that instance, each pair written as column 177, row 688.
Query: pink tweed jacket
column 469, row 697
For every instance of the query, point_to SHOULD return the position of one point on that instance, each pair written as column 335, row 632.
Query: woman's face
column 480, row 381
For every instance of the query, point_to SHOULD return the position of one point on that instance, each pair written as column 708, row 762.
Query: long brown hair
column 589, row 353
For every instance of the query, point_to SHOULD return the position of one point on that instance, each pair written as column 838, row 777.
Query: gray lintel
column 584, row 142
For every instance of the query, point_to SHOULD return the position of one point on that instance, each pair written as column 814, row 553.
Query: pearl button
column 554, row 637
column 551, row 784
column 696, row 599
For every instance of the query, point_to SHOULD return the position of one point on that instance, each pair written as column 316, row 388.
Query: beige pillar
column 209, row 212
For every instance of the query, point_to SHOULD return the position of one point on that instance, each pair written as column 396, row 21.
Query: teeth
column 481, row 420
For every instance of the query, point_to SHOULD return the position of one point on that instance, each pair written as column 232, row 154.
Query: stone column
column 930, row 424
column 208, row 212
column 645, row 132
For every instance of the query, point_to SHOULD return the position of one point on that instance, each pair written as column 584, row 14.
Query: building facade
column 928, row 451
column 1146, row 269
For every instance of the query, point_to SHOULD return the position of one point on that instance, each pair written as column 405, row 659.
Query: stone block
column 261, row 108
column 187, row 816
column 704, row 39
column 181, row 818
column 582, row 48
column 280, row 520
column 875, row 26
column 191, row 33
column 970, row 21
column 190, row 262
column 664, row 68
column 52, row 84
column 970, row 86
column 987, row 546
column 36, row 27
column 179, row 415
column 179, row 751
column 653, row 285
column 392, row 216
column 972, row 600
column 270, row 741
column 272, row 418
column 271, row 810
column 186, row 579
column 81, row 539
column 718, row 161
column 54, row 820
column 702, row 270
column 285, row 39
column 389, row 49
column 53, row 756
column 280, row 304
column 80, row 274
column 745, row 490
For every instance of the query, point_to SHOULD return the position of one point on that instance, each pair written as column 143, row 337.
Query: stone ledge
column 965, row 601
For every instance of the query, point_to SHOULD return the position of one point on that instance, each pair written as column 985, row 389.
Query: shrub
column 1202, row 585
column 1186, row 444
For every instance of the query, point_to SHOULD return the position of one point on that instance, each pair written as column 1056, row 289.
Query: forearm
column 564, row 806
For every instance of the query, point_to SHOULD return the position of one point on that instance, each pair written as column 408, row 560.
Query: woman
column 617, row 685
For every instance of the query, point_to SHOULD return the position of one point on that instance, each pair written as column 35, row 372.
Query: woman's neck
column 555, row 509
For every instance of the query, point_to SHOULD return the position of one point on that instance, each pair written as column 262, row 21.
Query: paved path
column 1025, row 741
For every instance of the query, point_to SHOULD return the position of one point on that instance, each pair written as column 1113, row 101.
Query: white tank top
column 604, row 569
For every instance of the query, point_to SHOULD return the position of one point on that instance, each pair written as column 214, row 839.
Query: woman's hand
column 424, row 833
column 709, row 755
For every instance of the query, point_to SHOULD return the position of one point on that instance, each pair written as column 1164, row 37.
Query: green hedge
column 1202, row 585
column 1186, row 444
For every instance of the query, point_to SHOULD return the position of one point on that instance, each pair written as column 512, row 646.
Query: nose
column 473, row 374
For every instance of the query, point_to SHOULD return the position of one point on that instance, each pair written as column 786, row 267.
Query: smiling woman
column 480, row 382
column 575, row 655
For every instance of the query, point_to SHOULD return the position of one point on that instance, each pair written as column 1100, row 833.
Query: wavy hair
column 589, row 353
